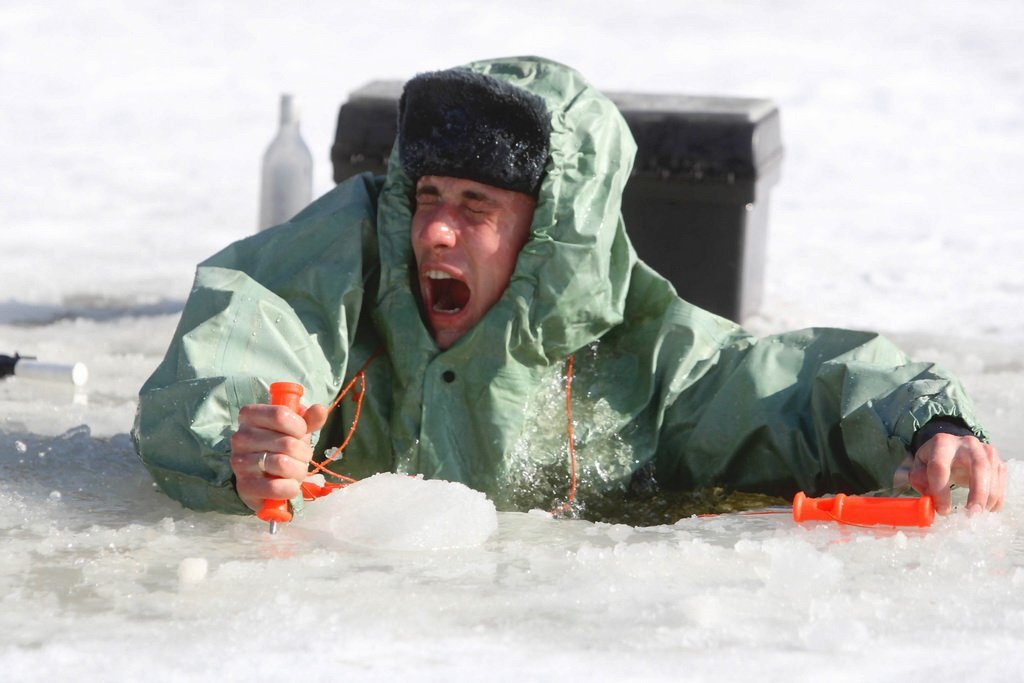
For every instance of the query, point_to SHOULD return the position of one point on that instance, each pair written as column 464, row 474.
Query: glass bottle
column 287, row 176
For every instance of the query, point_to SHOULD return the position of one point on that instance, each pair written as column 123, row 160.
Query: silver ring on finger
column 261, row 463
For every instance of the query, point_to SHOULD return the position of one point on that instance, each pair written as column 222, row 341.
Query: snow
column 132, row 133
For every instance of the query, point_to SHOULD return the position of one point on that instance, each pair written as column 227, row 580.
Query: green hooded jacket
column 663, row 392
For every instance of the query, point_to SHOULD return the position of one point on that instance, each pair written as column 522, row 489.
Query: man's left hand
column 946, row 459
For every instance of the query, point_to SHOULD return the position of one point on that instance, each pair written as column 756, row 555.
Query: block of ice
column 192, row 570
column 399, row 512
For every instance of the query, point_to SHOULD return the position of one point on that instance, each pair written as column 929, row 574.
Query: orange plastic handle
column 865, row 511
column 288, row 394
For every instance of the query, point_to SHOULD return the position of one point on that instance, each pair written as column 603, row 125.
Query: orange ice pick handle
column 865, row 511
column 286, row 394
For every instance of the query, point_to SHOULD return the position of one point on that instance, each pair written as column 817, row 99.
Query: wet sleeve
column 820, row 411
column 235, row 338
column 282, row 306
column 942, row 424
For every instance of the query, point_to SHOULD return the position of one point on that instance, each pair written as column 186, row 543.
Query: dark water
column 667, row 507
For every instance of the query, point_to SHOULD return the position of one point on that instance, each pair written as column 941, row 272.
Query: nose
column 437, row 228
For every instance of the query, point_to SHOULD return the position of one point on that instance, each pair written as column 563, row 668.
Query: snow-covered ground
column 132, row 133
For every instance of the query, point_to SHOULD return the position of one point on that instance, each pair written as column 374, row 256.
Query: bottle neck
column 289, row 111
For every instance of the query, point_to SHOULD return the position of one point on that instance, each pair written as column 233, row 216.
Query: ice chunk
column 192, row 570
column 399, row 512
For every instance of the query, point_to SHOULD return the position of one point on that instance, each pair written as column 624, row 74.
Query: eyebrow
column 470, row 195
column 473, row 195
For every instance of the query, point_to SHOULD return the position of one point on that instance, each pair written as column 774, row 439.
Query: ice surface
column 114, row 575
column 132, row 136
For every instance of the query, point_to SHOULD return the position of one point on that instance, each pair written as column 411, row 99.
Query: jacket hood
column 571, row 278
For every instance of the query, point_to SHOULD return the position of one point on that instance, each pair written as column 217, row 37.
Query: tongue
column 450, row 296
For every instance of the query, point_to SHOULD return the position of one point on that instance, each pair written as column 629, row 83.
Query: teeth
column 444, row 304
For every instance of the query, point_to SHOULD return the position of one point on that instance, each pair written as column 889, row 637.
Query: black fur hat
column 463, row 124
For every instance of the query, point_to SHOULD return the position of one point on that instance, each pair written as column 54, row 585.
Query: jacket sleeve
column 818, row 410
column 281, row 305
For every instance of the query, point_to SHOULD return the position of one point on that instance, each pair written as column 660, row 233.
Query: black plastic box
column 696, row 206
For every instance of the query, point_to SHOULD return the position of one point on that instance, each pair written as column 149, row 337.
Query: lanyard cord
column 311, row 490
column 566, row 507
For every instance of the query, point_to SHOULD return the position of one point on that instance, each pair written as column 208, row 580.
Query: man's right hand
column 284, row 436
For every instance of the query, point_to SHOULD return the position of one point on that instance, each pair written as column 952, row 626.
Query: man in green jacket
column 484, row 288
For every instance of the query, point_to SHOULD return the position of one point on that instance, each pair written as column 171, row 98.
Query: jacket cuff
column 943, row 424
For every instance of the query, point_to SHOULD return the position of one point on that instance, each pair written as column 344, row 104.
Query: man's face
column 466, row 237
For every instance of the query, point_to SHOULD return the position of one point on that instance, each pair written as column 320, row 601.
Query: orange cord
column 362, row 370
column 567, row 505
column 745, row 513
column 310, row 490
column 572, row 438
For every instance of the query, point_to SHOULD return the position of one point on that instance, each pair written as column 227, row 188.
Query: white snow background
column 132, row 134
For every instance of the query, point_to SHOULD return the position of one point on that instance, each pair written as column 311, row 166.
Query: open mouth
column 447, row 294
